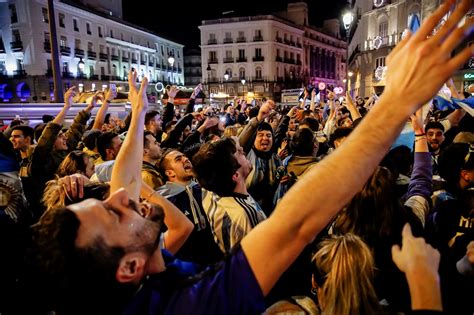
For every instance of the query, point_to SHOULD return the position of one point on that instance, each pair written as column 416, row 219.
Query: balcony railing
column 279, row 59
column 16, row 45
column 228, row 60
column 78, row 52
column 258, row 58
column 212, row 41
column 151, row 63
column 66, row 51
column 279, row 39
column 94, row 77
column 67, row 74
column 125, row 59
column 228, row 41
column 135, row 60
column 241, row 40
column 115, row 57
column 143, row 62
column 211, row 61
column 258, row 38
column 92, row 55
column 103, row 57
column 47, row 46
column 242, row 59
column 298, row 45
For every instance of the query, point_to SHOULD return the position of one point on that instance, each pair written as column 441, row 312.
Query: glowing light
column 338, row 90
column 322, row 85
column 377, row 42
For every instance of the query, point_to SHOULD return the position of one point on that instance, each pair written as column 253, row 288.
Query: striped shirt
column 231, row 218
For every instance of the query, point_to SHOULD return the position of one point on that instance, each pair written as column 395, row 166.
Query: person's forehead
column 17, row 132
column 264, row 132
column 435, row 130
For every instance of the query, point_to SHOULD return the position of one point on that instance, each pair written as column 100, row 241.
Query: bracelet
column 420, row 135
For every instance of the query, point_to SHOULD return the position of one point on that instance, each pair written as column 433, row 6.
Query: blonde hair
column 230, row 131
column 347, row 268
column 54, row 195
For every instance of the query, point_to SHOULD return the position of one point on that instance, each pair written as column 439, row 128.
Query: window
column 212, row 36
column 65, row 67
column 99, row 31
column 229, row 72
column 162, row 50
column 278, row 52
column 380, row 62
column 383, row 26
column 102, row 70
column 258, row 33
column 228, row 35
column 49, row 64
column 213, row 55
column 46, row 37
column 91, row 70
column 242, row 73
column 61, row 20
column 44, row 13
column 63, row 41
column 90, row 46
column 241, row 54
column 121, row 36
column 88, row 28
column 16, row 36
column 258, row 73
column 13, row 15
column 19, row 64
column 75, row 24
column 258, row 52
column 228, row 54
column 77, row 43
column 112, row 33
column 101, row 49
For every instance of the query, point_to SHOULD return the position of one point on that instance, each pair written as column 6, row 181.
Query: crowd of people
column 249, row 209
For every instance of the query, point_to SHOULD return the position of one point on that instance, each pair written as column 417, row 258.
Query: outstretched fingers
column 432, row 21
column 452, row 22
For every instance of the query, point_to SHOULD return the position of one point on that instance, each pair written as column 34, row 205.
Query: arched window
column 414, row 18
column 242, row 73
column 229, row 72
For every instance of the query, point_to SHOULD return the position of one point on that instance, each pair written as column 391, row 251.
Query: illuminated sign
column 322, row 85
column 338, row 90
column 159, row 87
column 377, row 42
column 378, row 3
column 468, row 76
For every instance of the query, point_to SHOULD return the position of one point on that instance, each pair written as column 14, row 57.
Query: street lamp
column 243, row 87
column 226, row 75
column 347, row 19
column 171, row 60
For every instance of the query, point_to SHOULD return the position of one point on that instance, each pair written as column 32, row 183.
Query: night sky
column 179, row 22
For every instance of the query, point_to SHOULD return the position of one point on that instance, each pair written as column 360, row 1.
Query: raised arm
column 100, row 117
column 179, row 226
column 351, row 107
column 304, row 211
column 128, row 164
column 70, row 93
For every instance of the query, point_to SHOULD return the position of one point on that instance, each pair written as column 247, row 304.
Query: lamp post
column 208, row 70
column 347, row 19
column 243, row 87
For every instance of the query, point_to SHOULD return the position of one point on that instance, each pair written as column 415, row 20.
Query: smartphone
column 113, row 87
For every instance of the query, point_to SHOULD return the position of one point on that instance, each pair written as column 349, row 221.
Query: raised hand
column 418, row 57
column 172, row 92
column 265, row 110
column 417, row 122
column 137, row 97
column 415, row 255
column 68, row 96
column 110, row 94
column 73, row 185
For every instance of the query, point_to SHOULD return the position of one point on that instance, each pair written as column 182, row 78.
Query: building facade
column 192, row 67
column 95, row 50
column 378, row 26
column 259, row 56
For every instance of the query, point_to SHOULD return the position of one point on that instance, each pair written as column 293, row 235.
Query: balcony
column 67, row 75
column 151, row 63
column 242, row 59
column 66, row 51
column 298, row 62
column 143, row 62
column 212, row 41
column 104, row 77
column 258, row 38
column 212, row 61
column 158, row 66
column 103, row 57
column 279, row 59
column 292, row 43
column 286, row 41
column 94, row 77
column 135, row 60
column 125, row 59
column 78, row 52
column 92, row 55
column 115, row 57
column 16, row 45
column 258, row 58
column 47, row 46
column 241, row 40
column 228, row 41
column 180, row 70
column 279, row 39
column 299, row 45
column 19, row 73
column 228, row 60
